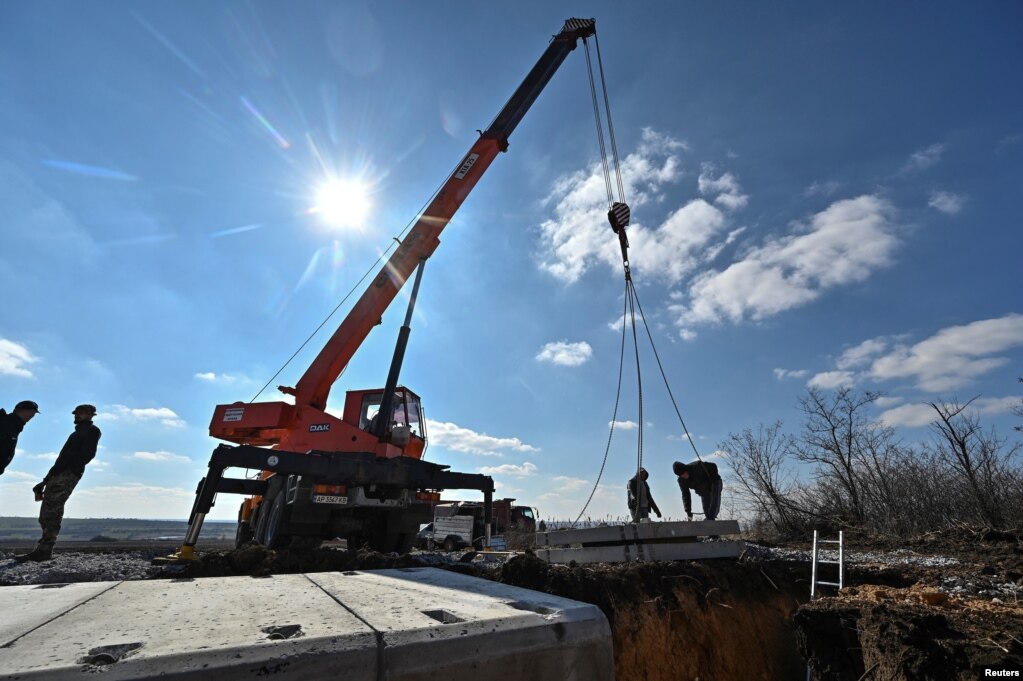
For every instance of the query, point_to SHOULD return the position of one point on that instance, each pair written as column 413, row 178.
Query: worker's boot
column 39, row 555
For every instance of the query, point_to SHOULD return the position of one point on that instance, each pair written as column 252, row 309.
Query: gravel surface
column 897, row 557
column 79, row 567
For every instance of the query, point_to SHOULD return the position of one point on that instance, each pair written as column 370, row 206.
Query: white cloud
column 456, row 438
column 725, row 188
column 162, row 415
column 918, row 415
column 578, row 238
column 862, row 354
column 924, row 158
column 20, row 475
column 624, row 425
column 716, row 454
column 524, row 470
column 569, row 484
column 908, row 415
column 13, row 358
column 886, row 401
column 47, row 456
column 213, row 377
column 565, row 353
column 822, row 188
column 953, row 356
column 160, row 456
column 843, row 244
column 946, row 202
column 782, row 374
column 832, row 380
column 135, row 499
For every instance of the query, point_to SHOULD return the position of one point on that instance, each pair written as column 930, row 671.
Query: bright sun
column 342, row 203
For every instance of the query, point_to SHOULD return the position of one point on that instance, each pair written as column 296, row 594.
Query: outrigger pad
column 186, row 554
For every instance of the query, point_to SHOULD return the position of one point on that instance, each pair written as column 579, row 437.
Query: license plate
column 329, row 499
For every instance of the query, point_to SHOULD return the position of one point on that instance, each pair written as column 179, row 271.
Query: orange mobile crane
column 362, row 476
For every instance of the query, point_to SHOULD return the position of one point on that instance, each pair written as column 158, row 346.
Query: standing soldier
column 10, row 428
column 640, row 500
column 701, row 477
column 58, row 484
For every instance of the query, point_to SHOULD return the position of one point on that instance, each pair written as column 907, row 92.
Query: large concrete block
column 393, row 625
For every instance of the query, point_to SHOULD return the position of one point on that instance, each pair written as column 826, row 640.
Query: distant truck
column 459, row 524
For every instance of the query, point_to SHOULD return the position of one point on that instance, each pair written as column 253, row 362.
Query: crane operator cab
column 407, row 426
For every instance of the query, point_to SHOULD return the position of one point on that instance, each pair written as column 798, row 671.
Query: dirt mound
column 257, row 561
column 885, row 633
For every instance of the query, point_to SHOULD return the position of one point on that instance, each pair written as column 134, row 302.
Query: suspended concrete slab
column 638, row 542
column 387, row 625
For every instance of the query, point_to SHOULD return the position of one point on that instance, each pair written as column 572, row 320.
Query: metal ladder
column 814, row 581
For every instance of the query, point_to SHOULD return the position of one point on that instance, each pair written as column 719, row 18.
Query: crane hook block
column 618, row 216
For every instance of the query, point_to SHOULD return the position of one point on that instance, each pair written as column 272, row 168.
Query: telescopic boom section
column 424, row 237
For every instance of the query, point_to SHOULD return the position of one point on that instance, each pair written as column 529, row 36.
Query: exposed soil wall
column 713, row 620
column 914, row 634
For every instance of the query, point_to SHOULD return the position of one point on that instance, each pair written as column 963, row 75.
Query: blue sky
column 821, row 195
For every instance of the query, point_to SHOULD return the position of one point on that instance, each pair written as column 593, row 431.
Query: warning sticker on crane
column 467, row 165
column 234, row 414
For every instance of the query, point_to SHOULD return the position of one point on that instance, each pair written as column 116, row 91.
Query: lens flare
column 342, row 203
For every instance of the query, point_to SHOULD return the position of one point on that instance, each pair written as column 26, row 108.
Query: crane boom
column 313, row 388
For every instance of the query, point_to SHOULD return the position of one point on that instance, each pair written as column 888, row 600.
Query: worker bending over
column 640, row 500
column 56, row 487
column 702, row 478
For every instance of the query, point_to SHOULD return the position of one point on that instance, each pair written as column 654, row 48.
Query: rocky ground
column 940, row 606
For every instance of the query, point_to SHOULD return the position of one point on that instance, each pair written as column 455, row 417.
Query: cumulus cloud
column 524, row 470
column 862, row 354
column 887, row 401
column 918, row 415
column 946, row 202
column 162, row 415
column 13, row 359
column 843, row 244
column 565, row 353
column 954, row 356
column 160, row 456
column 577, row 238
column 822, row 188
column 724, row 188
column 924, row 158
column 456, row 438
column 569, row 484
column 832, row 380
column 623, row 425
column 782, row 374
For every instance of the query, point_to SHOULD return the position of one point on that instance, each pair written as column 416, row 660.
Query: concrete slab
column 628, row 553
column 393, row 625
column 633, row 532
column 25, row 609
column 439, row 624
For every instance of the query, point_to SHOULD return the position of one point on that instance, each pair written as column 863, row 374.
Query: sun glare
column 342, row 203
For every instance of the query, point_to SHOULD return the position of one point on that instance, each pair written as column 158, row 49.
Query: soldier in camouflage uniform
column 56, row 487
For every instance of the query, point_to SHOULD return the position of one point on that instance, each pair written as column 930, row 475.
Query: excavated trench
column 910, row 613
column 684, row 620
column 719, row 620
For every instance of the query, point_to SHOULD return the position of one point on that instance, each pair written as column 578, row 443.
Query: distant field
column 119, row 529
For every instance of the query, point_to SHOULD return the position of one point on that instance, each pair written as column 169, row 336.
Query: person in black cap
column 701, row 477
column 10, row 428
column 640, row 499
column 56, row 487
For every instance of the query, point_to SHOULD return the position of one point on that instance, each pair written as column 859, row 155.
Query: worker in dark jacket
column 640, row 500
column 701, row 477
column 10, row 428
column 56, row 487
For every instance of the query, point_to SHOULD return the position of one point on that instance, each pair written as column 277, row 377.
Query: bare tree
column 759, row 461
column 980, row 457
column 836, row 433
